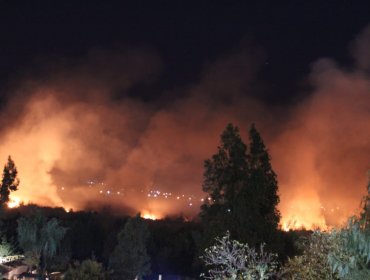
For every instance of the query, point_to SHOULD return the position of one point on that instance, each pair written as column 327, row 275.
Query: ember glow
column 14, row 202
column 149, row 216
column 66, row 131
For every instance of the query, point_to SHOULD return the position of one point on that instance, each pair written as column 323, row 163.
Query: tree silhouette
column 129, row 258
column 39, row 239
column 9, row 182
column 225, row 175
column 263, row 185
column 242, row 190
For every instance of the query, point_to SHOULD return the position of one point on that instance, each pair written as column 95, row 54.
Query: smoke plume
column 81, row 139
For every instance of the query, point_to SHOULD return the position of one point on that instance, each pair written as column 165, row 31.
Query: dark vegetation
column 173, row 245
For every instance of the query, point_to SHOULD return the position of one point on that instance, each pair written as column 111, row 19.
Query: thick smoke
column 323, row 154
column 81, row 123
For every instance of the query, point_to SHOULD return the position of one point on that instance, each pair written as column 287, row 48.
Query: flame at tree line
column 302, row 213
column 302, row 217
column 319, row 185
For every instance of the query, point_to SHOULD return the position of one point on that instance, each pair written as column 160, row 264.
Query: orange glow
column 149, row 216
column 14, row 202
column 303, row 210
column 303, row 220
column 60, row 137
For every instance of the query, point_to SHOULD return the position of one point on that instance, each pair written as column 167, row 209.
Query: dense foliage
column 130, row 258
column 39, row 238
column 338, row 254
column 231, row 260
column 313, row 263
column 87, row 270
column 6, row 248
column 242, row 190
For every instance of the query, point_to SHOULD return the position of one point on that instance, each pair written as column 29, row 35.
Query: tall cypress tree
column 224, row 176
column 9, row 182
column 226, row 171
column 242, row 190
column 263, row 184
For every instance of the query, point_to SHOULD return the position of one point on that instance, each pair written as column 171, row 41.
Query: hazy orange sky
column 67, row 128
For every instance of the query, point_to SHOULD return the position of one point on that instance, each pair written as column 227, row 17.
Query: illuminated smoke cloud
column 322, row 156
column 81, row 123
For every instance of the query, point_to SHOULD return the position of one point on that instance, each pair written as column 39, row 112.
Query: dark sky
column 289, row 35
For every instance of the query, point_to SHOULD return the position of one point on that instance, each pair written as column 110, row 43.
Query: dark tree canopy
column 130, row 258
column 227, row 170
column 242, row 189
column 87, row 270
column 9, row 181
column 39, row 238
column 263, row 185
column 225, row 175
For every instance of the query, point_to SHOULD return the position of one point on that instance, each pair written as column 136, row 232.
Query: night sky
column 133, row 95
column 288, row 35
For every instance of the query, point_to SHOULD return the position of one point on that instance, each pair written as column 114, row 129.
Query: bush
column 338, row 254
column 313, row 263
column 87, row 270
column 230, row 259
column 350, row 258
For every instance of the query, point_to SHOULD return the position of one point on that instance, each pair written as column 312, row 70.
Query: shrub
column 313, row 263
column 230, row 259
column 350, row 258
column 87, row 270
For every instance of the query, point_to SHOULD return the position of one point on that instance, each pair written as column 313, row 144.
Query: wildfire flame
column 14, row 202
column 297, row 223
column 148, row 215
column 304, row 212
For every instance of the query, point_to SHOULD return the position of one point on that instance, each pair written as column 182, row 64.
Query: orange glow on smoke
column 303, row 217
column 303, row 211
column 59, row 137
